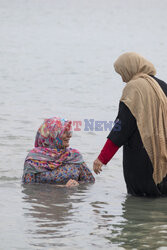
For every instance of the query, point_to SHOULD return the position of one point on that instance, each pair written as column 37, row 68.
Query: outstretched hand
column 97, row 165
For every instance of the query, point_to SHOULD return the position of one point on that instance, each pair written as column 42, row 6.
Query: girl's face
column 66, row 138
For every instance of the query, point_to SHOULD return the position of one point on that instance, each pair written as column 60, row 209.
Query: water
column 56, row 59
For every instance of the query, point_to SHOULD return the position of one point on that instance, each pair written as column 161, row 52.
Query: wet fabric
column 60, row 175
column 137, row 166
column 148, row 104
column 49, row 156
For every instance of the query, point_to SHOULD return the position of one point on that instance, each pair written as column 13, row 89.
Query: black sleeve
column 125, row 125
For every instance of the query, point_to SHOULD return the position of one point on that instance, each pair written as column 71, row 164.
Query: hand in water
column 72, row 183
column 97, row 166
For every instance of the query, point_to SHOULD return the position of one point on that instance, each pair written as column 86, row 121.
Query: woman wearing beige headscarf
column 140, row 127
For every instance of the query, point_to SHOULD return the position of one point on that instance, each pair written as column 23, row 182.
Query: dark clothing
column 137, row 166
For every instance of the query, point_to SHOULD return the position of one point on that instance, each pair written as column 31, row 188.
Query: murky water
column 56, row 59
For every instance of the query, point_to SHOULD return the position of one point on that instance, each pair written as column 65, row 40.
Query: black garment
column 137, row 165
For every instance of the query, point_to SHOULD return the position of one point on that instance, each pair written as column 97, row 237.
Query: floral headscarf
column 49, row 146
column 50, row 132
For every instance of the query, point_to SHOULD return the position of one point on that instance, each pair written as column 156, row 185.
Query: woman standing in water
column 52, row 161
column 142, row 117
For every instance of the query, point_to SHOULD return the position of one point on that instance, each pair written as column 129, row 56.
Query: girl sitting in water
column 52, row 161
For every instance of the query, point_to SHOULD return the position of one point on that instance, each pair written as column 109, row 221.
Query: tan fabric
column 148, row 104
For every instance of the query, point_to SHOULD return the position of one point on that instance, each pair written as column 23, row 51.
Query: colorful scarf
column 49, row 147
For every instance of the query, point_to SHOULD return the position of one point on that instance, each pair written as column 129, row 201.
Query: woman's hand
column 97, row 166
column 72, row 183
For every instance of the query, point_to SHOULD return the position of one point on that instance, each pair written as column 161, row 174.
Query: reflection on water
column 52, row 209
column 48, row 203
column 144, row 225
column 56, row 59
column 64, row 217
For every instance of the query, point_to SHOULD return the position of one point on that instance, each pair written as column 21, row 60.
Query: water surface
column 56, row 59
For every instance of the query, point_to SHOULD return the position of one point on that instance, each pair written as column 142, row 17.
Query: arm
column 85, row 174
column 125, row 125
column 105, row 156
column 108, row 152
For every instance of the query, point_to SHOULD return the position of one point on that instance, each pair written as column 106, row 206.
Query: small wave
column 7, row 178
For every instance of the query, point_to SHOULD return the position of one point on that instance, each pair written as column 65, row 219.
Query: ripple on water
column 41, row 81
column 7, row 178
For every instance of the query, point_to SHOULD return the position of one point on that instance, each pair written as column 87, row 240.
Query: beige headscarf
column 148, row 104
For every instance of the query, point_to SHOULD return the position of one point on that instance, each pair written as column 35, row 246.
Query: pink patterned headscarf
column 49, row 145
column 50, row 133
